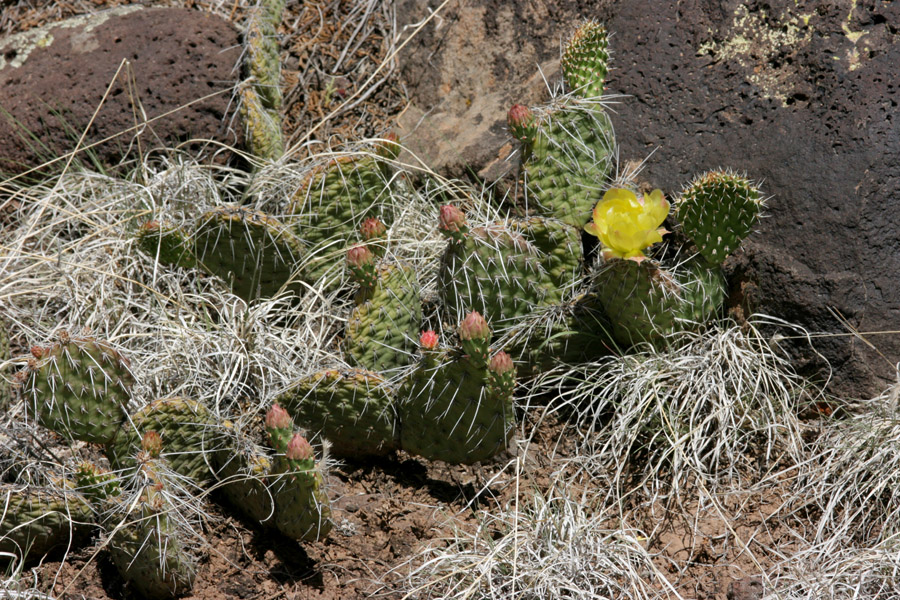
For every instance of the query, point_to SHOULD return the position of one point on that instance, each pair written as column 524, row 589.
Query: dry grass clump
column 546, row 545
column 717, row 407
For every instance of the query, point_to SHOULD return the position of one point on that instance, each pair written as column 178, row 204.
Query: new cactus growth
column 302, row 510
column 523, row 126
column 585, row 60
column 718, row 210
column 79, row 387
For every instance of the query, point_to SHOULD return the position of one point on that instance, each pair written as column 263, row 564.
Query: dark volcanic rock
column 804, row 99
column 52, row 80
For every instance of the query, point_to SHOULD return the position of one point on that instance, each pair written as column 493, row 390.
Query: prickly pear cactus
column 5, row 385
column 302, row 509
column 187, row 429
column 254, row 253
column 585, row 60
column 646, row 302
column 34, row 520
column 493, row 270
column 332, row 203
column 262, row 126
column 168, row 243
column 382, row 329
column 457, row 405
column 79, row 387
column 560, row 246
column 147, row 528
column 717, row 211
column 353, row 409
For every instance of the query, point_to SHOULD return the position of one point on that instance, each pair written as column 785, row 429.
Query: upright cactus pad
column 646, row 303
column 332, row 203
column 262, row 126
column 457, row 406
column 168, row 243
column 79, row 387
column 496, row 271
column 353, row 409
column 571, row 159
column 382, row 329
column 187, row 430
column 254, row 253
column 148, row 540
column 585, row 60
column 717, row 211
column 263, row 60
column 35, row 520
column 302, row 509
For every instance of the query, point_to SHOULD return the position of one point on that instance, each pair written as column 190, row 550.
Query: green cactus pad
column 263, row 60
column 34, row 520
column 457, row 405
column 585, row 60
column 331, row 204
column 80, row 388
column 243, row 469
column 147, row 545
column 353, row 409
column 560, row 246
column 302, row 509
column 188, row 431
column 262, row 126
column 449, row 413
column 254, row 253
column 167, row 243
column 570, row 160
column 382, row 331
column 717, row 211
column 646, row 303
column 496, row 272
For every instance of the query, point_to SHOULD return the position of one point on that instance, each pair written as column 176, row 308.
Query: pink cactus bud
column 428, row 340
column 150, row 226
column 501, row 363
column 151, row 443
column 452, row 220
column 298, row 448
column 474, row 327
column 278, row 418
column 372, row 228
column 37, row 352
column 521, row 122
column 360, row 256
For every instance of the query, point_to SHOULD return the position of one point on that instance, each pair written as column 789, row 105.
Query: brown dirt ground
column 386, row 509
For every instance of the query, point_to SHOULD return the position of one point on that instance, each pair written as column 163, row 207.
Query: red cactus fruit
column 428, row 340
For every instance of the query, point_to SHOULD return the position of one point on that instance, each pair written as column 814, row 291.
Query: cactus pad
column 34, row 520
column 585, row 60
column 80, row 388
column 187, row 430
column 353, row 409
column 254, row 253
column 717, row 211
column 167, row 243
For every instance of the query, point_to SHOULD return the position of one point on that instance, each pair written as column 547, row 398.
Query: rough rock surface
column 802, row 96
column 52, row 80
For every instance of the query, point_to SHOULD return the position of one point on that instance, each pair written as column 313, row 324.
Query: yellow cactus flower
column 626, row 223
